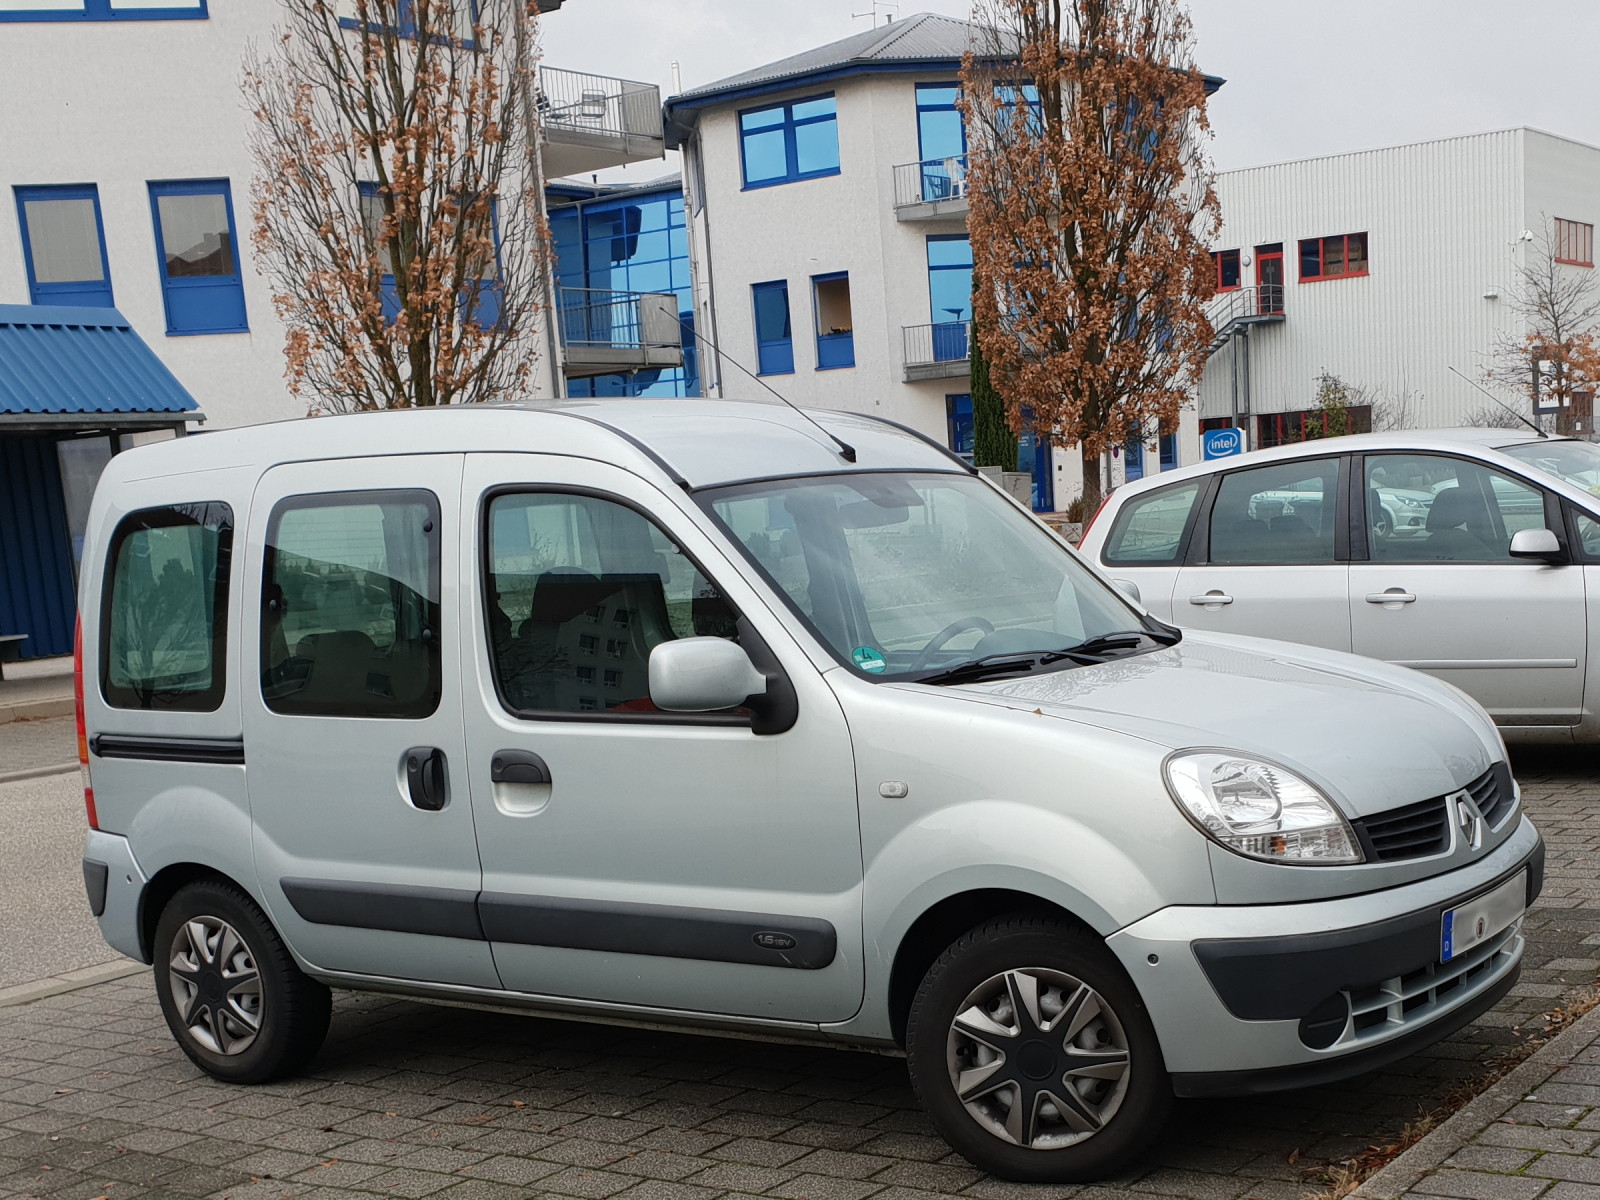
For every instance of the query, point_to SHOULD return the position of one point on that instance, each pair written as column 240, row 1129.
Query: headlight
column 1259, row 809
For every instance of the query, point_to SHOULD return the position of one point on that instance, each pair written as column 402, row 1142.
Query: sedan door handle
column 1392, row 596
column 1212, row 597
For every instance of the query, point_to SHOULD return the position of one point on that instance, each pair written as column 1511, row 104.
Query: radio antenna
column 1505, row 406
column 846, row 450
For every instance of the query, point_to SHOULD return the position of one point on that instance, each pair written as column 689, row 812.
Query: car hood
column 1371, row 735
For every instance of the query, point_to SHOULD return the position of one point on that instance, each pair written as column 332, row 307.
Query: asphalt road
column 45, row 926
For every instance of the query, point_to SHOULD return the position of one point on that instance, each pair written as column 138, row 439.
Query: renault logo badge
column 1470, row 820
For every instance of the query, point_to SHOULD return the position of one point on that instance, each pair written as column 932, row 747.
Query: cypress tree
column 993, row 443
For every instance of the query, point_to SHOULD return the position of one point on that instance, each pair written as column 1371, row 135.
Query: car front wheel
column 235, row 1000
column 1033, row 1054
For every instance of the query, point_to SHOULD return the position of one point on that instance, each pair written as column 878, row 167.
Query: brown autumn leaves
column 395, row 204
column 1091, row 216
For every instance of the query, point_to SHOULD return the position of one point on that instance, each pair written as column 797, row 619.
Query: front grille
column 1418, row 830
column 1414, row 831
column 1493, row 793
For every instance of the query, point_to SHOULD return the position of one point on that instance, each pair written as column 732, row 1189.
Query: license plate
column 1476, row 920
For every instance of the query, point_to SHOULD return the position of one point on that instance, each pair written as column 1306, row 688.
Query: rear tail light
column 1104, row 500
column 83, row 732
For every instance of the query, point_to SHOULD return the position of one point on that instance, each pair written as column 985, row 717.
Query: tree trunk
column 1091, row 481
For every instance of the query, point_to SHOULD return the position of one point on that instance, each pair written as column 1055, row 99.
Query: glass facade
column 636, row 242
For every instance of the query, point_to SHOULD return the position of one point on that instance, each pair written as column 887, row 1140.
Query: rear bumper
column 1261, row 998
column 109, row 858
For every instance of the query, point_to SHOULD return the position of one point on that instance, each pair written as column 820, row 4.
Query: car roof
column 690, row 442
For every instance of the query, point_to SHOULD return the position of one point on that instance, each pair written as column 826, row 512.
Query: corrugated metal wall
column 1441, row 218
column 37, row 591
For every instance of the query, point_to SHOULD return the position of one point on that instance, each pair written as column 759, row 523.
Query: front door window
column 1429, row 508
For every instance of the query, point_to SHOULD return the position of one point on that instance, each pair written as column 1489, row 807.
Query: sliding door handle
column 427, row 778
column 1212, row 597
column 1391, row 596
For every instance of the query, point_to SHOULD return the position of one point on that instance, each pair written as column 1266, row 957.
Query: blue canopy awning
column 65, row 366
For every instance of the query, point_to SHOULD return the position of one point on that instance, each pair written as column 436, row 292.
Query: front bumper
column 1266, row 997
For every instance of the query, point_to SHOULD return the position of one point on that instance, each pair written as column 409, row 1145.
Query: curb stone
column 37, row 772
column 31, row 710
column 69, row 981
column 1478, row 1114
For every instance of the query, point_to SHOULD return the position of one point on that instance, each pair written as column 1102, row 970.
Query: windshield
column 1577, row 463
column 907, row 575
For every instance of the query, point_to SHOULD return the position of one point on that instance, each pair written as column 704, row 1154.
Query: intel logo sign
column 1220, row 443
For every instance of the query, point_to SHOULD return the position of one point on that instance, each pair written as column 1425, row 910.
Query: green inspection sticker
column 869, row 660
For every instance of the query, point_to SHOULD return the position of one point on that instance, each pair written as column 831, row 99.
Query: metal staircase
column 1261, row 304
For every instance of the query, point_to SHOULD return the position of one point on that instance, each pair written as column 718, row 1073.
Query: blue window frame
column 774, row 340
column 783, row 143
column 950, row 294
column 64, row 245
column 1169, row 451
column 198, row 253
column 836, row 339
column 958, row 420
column 941, row 140
column 106, row 10
column 465, row 13
column 488, row 312
column 1133, row 459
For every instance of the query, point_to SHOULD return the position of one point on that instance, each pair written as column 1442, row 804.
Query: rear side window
column 581, row 589
column 1282, row 514
column 350, row 605
column 1149, row 529
column 164, row 621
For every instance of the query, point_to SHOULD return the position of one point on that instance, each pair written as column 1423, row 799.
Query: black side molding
column 398, row 908
column 227, row 751
column 668, row 931
column 95, row 875
column 714, row 935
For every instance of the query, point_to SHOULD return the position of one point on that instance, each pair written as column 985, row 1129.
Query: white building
column 124, row 153
column 1386, row 268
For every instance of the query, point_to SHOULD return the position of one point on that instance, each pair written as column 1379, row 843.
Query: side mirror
column 1536, row 543
column 1129, row 589
column 702, row 674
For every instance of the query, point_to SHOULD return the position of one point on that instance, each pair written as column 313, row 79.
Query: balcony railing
column 935, row 187
column 937, row 351
column 606, row 332
column 592, row 121
column 1254, row 305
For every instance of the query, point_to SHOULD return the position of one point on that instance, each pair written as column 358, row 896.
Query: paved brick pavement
column 411, row 1100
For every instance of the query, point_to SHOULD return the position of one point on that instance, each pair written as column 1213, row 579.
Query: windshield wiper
column 993, row 666
column 1123, row 639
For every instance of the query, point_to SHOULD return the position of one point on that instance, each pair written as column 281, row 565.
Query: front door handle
column 1391, row 596
column 1212, row 597
column 517, row 766
column 427, row 778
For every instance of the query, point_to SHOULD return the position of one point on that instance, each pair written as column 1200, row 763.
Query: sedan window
column 1281, row 514
column 1149, row 529
column 1430, row 508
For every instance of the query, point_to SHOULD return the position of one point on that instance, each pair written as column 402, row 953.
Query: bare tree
column 1091, row 215
column 395, row 201
column 1394, row 408
column 1551, row 358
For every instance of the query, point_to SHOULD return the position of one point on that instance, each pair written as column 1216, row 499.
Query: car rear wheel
column 1032, row 1052
column 232, row 995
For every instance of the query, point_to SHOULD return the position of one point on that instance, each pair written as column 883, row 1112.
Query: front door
column 1273, row 560
column 631, row 856
column 1442, row 594
column 1269, row 276
column 363, row 831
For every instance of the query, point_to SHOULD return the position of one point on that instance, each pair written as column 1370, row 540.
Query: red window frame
column 1344, row 240
column 1238, row 273
column 1574, row 243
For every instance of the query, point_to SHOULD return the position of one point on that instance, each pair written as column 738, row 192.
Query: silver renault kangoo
column 738, row 717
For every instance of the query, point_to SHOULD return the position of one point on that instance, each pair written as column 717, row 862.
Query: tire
column 1382, row 526
column 230, row 990
column 1100, row 1089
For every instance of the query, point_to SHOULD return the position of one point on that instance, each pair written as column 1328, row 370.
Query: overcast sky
column 1305, row 77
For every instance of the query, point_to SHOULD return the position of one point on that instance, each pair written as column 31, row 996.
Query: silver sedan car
column 1461, row 552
